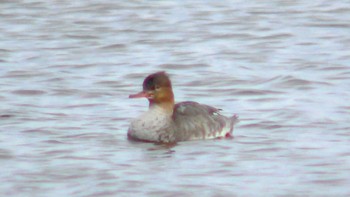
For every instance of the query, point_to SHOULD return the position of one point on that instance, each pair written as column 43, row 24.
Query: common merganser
column 167, row 122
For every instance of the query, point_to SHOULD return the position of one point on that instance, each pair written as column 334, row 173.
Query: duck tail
column 234, row 120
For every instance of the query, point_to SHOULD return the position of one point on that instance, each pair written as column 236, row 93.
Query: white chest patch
column 150, row 125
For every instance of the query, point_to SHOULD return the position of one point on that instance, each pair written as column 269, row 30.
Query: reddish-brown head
column 157, row 89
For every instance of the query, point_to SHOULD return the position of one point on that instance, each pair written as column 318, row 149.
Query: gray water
column 67, row 68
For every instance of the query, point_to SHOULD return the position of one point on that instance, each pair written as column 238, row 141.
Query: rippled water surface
column 67, row 68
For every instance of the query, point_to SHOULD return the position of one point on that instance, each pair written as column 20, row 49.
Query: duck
column 167, row 122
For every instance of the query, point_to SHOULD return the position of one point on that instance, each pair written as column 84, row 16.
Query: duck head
column 158, row 90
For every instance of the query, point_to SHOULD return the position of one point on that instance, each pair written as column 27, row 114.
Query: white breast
column 150, row 125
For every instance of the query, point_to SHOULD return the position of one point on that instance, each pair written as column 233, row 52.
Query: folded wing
column 197, row 121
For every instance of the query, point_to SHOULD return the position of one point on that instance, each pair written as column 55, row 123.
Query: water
column 67, row 68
